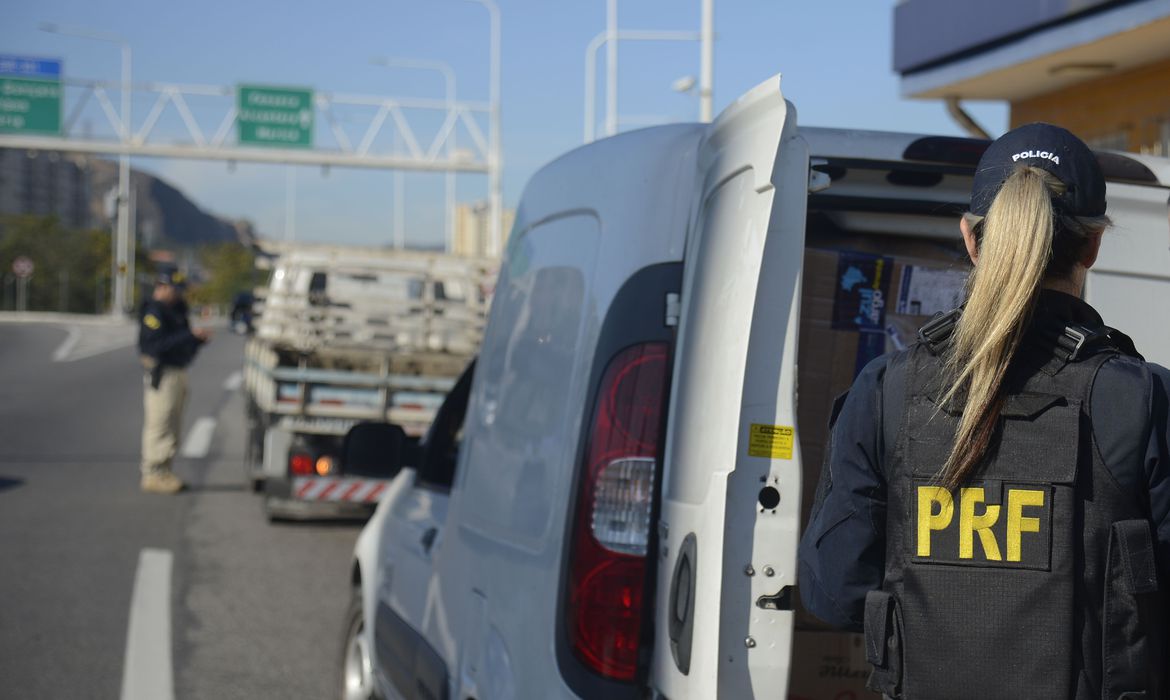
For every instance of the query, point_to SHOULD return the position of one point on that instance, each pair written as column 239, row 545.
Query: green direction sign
column 30, row 95
column 270, row 116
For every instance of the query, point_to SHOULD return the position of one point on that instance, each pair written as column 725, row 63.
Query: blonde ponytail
column 1015, row 247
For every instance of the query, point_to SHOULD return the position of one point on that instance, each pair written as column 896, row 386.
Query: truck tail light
column 611, row 531
column 300, row 464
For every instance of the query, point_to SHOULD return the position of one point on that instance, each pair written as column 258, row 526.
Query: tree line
column 73, row 268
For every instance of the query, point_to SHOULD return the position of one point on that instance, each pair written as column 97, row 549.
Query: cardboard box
column 857, row 305
column 829, row 666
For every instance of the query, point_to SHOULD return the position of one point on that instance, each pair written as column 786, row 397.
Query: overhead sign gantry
column 30, row 95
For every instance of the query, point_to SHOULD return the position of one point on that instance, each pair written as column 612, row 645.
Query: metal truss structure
column 215, row 141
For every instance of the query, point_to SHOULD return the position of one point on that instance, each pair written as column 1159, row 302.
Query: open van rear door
column 730, row 510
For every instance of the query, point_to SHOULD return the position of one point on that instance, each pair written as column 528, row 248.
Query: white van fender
column 723, row 621
column 369, row 550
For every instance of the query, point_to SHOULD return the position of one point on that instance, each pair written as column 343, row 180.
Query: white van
column 609, row 502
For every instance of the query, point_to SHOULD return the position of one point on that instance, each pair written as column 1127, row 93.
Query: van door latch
column 673, row 309
column 780, row 601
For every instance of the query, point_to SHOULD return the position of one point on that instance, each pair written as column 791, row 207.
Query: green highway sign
column 274, row 116
column 30, row 95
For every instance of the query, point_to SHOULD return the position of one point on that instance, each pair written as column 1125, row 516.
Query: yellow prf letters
column 1017, row 523
column 936, row 510
column 969, row 524
column 928, row 496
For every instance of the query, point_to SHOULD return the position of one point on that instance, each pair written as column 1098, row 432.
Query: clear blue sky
column 835, row 57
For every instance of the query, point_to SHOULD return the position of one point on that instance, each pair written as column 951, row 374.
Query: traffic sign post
column 22, row 267
column 30, row 95
column 274, row 116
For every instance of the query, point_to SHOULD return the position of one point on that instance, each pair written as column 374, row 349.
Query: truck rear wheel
column 357, row 661
column 254, row 449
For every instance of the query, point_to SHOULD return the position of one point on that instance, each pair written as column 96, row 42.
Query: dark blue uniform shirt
column 842, row 552
column 165, row 335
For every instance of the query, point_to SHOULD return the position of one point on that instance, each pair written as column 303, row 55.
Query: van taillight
column 607, row 570
column 300, row 464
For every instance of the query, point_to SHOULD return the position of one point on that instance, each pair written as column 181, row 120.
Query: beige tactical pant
column 163, row 419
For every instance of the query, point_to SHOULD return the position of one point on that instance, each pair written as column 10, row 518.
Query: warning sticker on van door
column 771, row 441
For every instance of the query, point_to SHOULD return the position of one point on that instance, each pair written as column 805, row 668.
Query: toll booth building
column 1100, row 68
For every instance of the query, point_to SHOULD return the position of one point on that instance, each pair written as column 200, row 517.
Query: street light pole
column 290, row 203
column 591, row 65
column 612, row 35
column 126, row 265
column 449, row 84
column 706, row 60
column 611, row 72
column 124, row 243
column 495, row 196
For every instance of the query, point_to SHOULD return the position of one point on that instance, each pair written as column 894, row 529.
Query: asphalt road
column 255, row 608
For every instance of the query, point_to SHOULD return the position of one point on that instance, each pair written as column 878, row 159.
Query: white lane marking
column 147, row 672
column 234, row 381
column 100, row 350
column 198, row 441
column 88, row 339
column 67, row 345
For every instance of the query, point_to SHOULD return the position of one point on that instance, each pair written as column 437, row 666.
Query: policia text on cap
column 166, row 344
column 994, row 509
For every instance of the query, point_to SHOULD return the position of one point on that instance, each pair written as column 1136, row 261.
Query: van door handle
column 681, row 604
column 428, row 539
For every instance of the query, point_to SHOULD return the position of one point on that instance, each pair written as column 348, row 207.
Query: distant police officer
column 167, row 344
column 994, row 511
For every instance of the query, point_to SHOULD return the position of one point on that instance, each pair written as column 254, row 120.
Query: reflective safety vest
column 1036, row 578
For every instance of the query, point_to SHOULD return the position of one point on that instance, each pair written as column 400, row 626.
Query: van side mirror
column 376, row 449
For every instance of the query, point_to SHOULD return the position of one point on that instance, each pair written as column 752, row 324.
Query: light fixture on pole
column 124, row 243
column 684, row 84
column 591, row 66
column 449, row 85
column 610, row 38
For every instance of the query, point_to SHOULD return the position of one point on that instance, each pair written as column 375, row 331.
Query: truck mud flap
column 311, row 498
column 340, row 489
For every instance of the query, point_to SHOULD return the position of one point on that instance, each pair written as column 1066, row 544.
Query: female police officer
column 994, row 510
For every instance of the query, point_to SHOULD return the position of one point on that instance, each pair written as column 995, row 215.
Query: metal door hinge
column 818, row 180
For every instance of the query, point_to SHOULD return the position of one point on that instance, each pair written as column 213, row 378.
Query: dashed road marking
column 198, row 441
column 85, row 340
column 67, row 345
column 147, row 672
column 234, row 381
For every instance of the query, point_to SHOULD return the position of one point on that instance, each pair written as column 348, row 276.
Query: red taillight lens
column 300, row 464
column 607, row 574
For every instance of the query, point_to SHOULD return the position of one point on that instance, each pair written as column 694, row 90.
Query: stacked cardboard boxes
column 856, row 306
column 829, row 666
column 861, row 298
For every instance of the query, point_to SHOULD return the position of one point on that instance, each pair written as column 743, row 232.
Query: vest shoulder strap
column 1071, row 342
column 937, row 331
column 1075, row 342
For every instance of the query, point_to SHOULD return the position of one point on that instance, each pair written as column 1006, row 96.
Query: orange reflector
column 324, row 465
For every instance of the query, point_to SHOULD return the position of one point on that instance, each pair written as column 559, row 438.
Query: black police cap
column 173, row 278
column 1048, row 147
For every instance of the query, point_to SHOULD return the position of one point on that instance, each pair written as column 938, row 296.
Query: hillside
column 78, row 190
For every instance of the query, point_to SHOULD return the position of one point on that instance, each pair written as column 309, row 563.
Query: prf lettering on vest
column 941, row 538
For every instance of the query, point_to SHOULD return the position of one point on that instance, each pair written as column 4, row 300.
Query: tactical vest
column 1036, row 578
